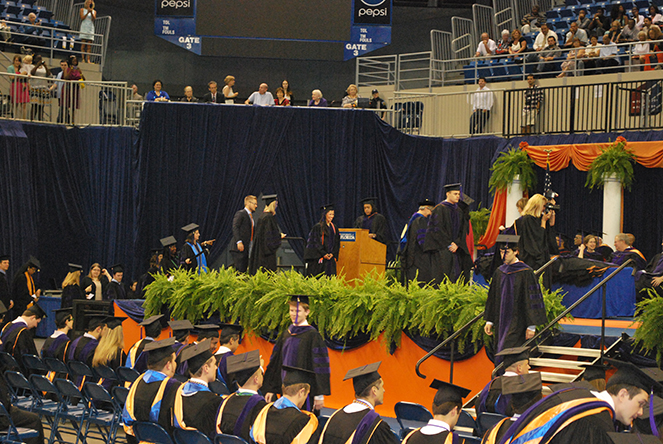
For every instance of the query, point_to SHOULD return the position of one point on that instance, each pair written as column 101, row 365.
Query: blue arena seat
column 552, row 14
column 569, row 11
column 416, row 414
column 498, row 70
column 222, row 438
column 14, row 434
column 151, row 432
column 190, row 437
column 486, row 421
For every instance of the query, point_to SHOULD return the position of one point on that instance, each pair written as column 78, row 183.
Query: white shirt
column 542, row 40
column 580, row 34
column 604, row 396
column 223, row 350
column 88, row 335
column 482, row 100
column 640, row 22
column 641, row 48
column 609, row 51
column 358, row 406
column 57, row 333
column 434, row 427
column 481, row 49
column 241, row 390
column 262, row 99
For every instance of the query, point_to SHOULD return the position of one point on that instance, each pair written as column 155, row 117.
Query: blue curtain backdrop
column 108, row 195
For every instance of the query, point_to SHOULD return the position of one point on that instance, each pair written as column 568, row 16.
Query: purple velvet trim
column 50, row 352
column 506, row 308
column 252, row 402
column 652, row 420
column 659, row 267
column 367, row 223
column 323, row 360
column 14, row 326
column 364, row 426
column 72, row 348
column 297, row 330
column 561, row 419
column 483, row 396
column 322, row 370
column 290, row 349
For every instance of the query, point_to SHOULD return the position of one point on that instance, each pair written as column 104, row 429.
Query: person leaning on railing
column 71, row 89
column 20, row 90
column 39, row 88
column 640, row 50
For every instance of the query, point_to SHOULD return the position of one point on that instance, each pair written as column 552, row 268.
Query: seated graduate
column 82, row 348
column 587, row 249
column 525, row 391
column 515, row 304
column 208, row 331
column 17, row 337
column 447, row 405
column 181, row 332
column 650, row 278
column 283, row 421
column 624, row 251
column 239, row 410
column 110, row 351
column 195, row 405
column 358, row 422
column 323, row 245
column 584, row 416
column 371, row 220
column 300, row 346
column 152, row 395
column 491, row 399
column 152, row 328
column 229, row 341
column 55, row 346
column 116, row 289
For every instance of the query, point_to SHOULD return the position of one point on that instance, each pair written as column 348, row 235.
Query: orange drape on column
column 497, row 218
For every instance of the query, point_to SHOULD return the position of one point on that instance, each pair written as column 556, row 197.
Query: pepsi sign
column 178, row 8
column 372, row 12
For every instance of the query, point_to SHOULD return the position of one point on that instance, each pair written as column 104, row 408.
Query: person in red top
column 280, row 98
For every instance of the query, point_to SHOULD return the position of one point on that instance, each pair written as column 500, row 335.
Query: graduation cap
column 467, row 200
column 299, row 298
column 363, row 377
column 231, row 328
column 448, row 392
column 657, row 409
column 243, row 366
column 3, row 309
column 74, row 267
column 158, row 350
column 530, row 382
column 572, row 385
column 36, row 310
column 593, row 371
column 426, row 203
column 197, row 355
column 207, row 331
column 93, row 319
column 114, row 321
column 191, row 227
column 327, row 208
column 629, row 374
column 369, row 200
column 507, row 241
column 268, row 199
column 151, row 320
column 4, row 257
column 513, row 355
column 452, row 187
column 168, row 241
column 34, row 262
column 633, row 438
column 598, row 233
column 295, row 375
column 117, row 268
column 653, row 372
column 180, row 325
column 62, row 314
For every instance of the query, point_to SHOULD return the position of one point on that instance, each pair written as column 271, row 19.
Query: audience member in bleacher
column 228, row 92
column 317, row 99
column 88, row 15
column 640, row 51
column 607, row 56
column 487, row 46
column 618, row 14
column 646, row 24
column 532, row 22
column 288, row 94
column 482, row 103
column 157, row 95
column 188, row 95
column 533, row 99
column 262, row 97
column 599, row 24
column 548, row 55
column 615, row 33
column 72, row 90
column 592, row 53
column 629, row 32
column 213, row 96
column 280, row 98
column 639, row 19
column 26, row 69
column 583, row 21
column 518, row 45
column 31, row 31
column 578, row 52
column 654, row 59
column 20, row 89
column 575, row 32
column 504, row 43
column 541, row 40
column 5, row 31
column 350, row 101
column 39, row 88
column 655, row 15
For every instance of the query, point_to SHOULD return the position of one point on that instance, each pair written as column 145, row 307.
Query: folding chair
column 34, row 364
column 81, row 372
column 105, row 372
column 120, row 395
column 127, row 374
column 73, row 407
column 7, row 362
column 47, row 403
column 20, row 390
column 151, row 432
column 415, row 414
column 466, row 420
column 486, row 420
column 190, row 437
column 56, row 369
column 222, row 438
column 14, row 435
column 106, row 421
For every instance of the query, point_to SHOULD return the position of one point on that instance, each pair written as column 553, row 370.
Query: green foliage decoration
column 514, row 162
column 650, row 334
column 479, row 219
column 615, row 159
column 373, row 306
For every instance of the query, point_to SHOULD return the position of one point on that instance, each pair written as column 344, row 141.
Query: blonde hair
column 73, row 277
column 248, row 199
column 522, row 203
column 111, row 343
column 96, row 264
column 27, row 60
column 534, row 205
column 271, row 207
column 352, row 85
column 293, row 389
column 228, row 79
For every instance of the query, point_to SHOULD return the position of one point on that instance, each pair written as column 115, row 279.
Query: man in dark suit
column 213, row 96
column 5, row 291
column 116, row 289
column 243, row 226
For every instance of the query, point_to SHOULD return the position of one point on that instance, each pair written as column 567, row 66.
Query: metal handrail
column 574, row 305
column 457, row 333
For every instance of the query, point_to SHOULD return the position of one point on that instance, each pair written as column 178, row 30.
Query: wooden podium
column 359, row 254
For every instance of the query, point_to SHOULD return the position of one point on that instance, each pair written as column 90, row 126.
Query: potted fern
column 511, row 165
column 615, row 162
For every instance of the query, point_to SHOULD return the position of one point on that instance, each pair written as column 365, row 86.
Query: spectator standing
column 578, row 52
column 583, row 21
column 655, row 15
column 532, row 22
column 262, row 97
column 599, row 24
column 58, row 85
column 157, row 94
column 32, row 29
column 533, row 100
column 213, row 96
column 576, row 33
column 95, row 283
column 39, row 88
column 504, row 43
column 20, row 90
column 608, row 55
column 487, row 46
column 280, row 98
column 5, row 290
column 317, row 99
column 548, row 55
column 518, row 45
column 5, row 31
column 88, row 16
column 350, row 101
column 482, row 103
column 288, row 94
column 188, row 95
column 639, row 19
column 228, row 92
column 72, row 90
column 376, row 101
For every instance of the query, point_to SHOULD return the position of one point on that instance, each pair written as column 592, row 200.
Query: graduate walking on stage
column 416, row 263
column 323, row 245
column 371, row 220
column 267, row 239
column 193, row 255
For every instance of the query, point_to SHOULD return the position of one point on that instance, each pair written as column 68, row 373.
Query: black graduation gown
column 116, row 361
column 144, row 396
column 592, row 429
column 5, row 292
column 266, row 242
column 199, row 411
column 448, row 223
column 169, row 263
column 416, row 262
column 654, row 269
column 300, row 347
column 533, row 244
column 82, row 349
column 495, row 434
column 416, row 437
column 322, row 241
column 514, row 303
column 492, row 400
column 239, row 413
column 619, row 257
column 87, row 282
column 138, row 361
column 144, row 280
column 70, row 293
column 20, row 293
column 283, row 425
column 341, row 425
column 187, row 253
column 18, row 340
column 55, row 347
column 115, row 290
column 375, row 224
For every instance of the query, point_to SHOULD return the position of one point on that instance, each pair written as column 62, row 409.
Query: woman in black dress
column 323, row 245
column 267, row 238
column 96, row 282
column 71, row 288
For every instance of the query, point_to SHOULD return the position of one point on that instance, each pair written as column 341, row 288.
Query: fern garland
column 650, row 334
column 514, row 162
column 615, row 159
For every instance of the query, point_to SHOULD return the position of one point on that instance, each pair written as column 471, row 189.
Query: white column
column 612, row 208
column 513, row 194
